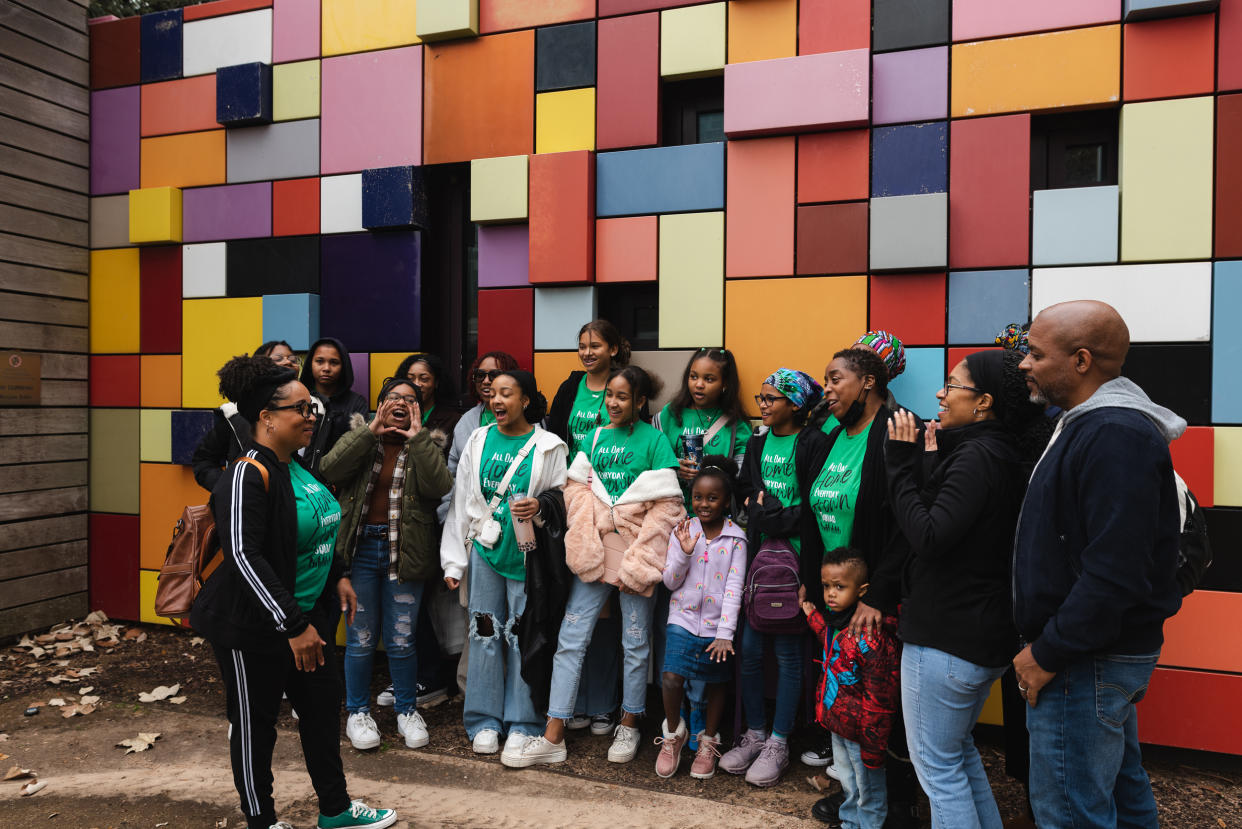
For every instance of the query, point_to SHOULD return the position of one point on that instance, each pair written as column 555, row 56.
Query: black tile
column 278, row 265
column 905, row 24
column 1225, row 533
column 565, row 56
column 1176, row 376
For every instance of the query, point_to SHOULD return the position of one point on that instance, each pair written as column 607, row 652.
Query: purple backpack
column 771, row 591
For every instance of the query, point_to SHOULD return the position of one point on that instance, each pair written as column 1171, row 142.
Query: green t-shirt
column 487, row 416
column 319, row 518
column 621, row 455
column 586, row 413
column 780, row 477
column 499, row 452
column 699, row 422
column 834, row 495
column 830, row 423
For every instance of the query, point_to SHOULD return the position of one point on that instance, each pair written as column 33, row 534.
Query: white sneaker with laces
column 362, row 731
column 280, row 824
column 537, row 751
column 411, row 726
column 486, row 741
column 386, row 698
column 624, row 745
column 514, row 744
column 577, row 722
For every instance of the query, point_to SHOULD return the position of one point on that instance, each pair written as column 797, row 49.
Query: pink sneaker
column 704, row 765
column 670, row 745
column 738, row 759
column 770, row 765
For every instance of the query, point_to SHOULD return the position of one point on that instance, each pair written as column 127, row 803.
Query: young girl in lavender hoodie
column 704, row 569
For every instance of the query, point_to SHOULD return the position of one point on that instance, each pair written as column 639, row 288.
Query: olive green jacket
column 348, row 467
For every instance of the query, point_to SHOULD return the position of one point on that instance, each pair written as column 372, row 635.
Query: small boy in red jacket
column 858, row 690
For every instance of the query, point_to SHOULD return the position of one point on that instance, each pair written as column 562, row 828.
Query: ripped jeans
column 496, row 695
column 581, row 614
column 387, row 608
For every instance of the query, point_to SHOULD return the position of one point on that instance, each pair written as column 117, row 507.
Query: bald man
column 1093, row 571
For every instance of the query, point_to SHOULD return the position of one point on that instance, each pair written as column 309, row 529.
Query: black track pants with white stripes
column 254, row 683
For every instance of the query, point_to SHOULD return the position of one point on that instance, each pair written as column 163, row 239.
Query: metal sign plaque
column 20, row 383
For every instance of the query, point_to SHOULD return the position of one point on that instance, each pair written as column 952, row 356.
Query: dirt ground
column 183, row 779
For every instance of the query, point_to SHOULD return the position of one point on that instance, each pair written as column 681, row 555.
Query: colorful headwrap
column 890, row 349
column 1014, row 338
column 798, row 386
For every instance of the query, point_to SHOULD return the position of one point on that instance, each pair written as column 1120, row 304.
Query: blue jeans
column 1086, row 767
column 942, row 697
column 581, row 614
column 866, row 790
column 496, row 695
column 788, row 650
column 386, row 608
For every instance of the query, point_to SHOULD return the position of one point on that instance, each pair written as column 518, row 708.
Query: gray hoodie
column 1122, row 393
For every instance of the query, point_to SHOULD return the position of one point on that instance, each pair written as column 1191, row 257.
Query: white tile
column 226, row 41
column 1160, row 303
column 204, row 272
column 340, row 203
column 559, row 313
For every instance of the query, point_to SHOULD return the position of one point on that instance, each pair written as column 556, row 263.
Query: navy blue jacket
column 1096, row 547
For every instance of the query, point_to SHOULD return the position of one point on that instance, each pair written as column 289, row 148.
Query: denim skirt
column 686, row 655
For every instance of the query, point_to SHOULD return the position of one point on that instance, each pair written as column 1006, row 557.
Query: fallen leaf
column 88, row 700
column 59, row 678
column 86, row 709
column 176, row 700
column 4, row 738
column 4, row 756
column 45, row 638
column 60, row 663
column 160, row 692
column 17, row 773
column 158, row 825
column 70, row 711
column 197, row 640
column 33, row 787
column 222, row 823
column 86, row 690
column 57, row 701
column 1221, row 823
column 87, row 671
column 96, row 617
column 135, row 633
column 142, row 742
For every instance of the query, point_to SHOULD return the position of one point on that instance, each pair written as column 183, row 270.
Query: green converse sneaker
column 359, row 816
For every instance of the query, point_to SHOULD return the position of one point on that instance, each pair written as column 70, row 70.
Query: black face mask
column 856, row 410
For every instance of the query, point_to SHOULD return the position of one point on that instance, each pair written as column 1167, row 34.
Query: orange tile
column 627, row 250
column 762, row 29
column 551, row 369
column 503, row 15
column 479, row 98
column 185, row 105
column 834, row 166
column 166, row 490
column 161, row 381
column 1167, row 58
column 759, row 212
column 1187, row 642
column 188, row 160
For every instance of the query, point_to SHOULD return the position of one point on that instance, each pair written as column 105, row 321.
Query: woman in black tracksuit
column 270, row 609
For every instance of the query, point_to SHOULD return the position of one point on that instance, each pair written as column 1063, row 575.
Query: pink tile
column 504, row 256
column 371, row 110
column 989, row 18
column 910, row 86
column 230, row 211
column 362, row 374
column 115, row 140
column 295, row 30
column 810, row 92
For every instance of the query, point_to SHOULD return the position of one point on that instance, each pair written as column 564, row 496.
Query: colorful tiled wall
column 256, row 174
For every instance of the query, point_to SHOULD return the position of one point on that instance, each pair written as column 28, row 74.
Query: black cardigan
column 960, row 529
column 562, row 404
column 775, row 519
column 548, row 582
column 227, row 439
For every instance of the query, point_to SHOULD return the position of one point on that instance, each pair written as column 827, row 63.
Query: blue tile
column 559, row 313
column 188, row 428
column 916, row 387
column 660, row 180
column 291, row 317
column 981, row 303
column 394, row 197
column 1151, row 9
column 160, row 46
column 910, row 160
column 1226, row 347
column 1075, row 226
column 244, row 95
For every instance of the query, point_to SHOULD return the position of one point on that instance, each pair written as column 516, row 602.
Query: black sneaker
column 429, row 697
column 818, row 756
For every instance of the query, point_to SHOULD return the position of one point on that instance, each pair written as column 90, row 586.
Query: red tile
column 562, row 217
column 1168, row 58
column 834, row 26
column 295, row 207
column 220, row 7
column 834, row 166
column 627, row 86
column 832, row 239
column 1194, row 458
column 911, row 306
column 159, row 281
column 115, row 380
column 113, row 565
column 1229, row 61
column 507, row 323
column 1192, row 709
column 955, row 355
column 114, row 52
column 990, row 192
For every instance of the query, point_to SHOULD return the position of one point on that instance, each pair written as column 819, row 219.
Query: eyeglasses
column 290, row 362
column 948, row 386
column 768, row 399
column 480, row 375
column 410, row 399
column 302, row 407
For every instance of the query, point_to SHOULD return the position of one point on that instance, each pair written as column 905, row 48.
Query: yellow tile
column 762, row 29
column 114, row 301
column 155, row 426
column 448, row 19
column 551, row 369
column 993, row 712
column 295, row 90
column 114, row 450
column 692, row 41
column 1227, row 486
column 565, row 120
column 499, row 189
column 692, row 280
column 363, row 25
column 1035, row 72
column 148, row 581
column 1166, row 180
column 212, row 331
column 155, row 215
column 383, row 366
column 764, row 340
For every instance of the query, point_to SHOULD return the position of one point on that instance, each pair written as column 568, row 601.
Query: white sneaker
column 624, row 745
column 386, row 698
column 280, row 824
column 514, row 745
column 411, row 726
column 577, row 722
column 362, row 731
column 536, row 751
column 487, row 741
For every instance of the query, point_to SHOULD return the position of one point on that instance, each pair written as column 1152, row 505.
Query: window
column 634, row 307
column 1074, row 149
column 692, row 112
column 449, row 271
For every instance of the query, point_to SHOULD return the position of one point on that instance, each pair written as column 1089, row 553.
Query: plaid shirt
column 394, row 503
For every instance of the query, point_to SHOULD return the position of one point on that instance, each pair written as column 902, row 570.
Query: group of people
column 893, row 570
